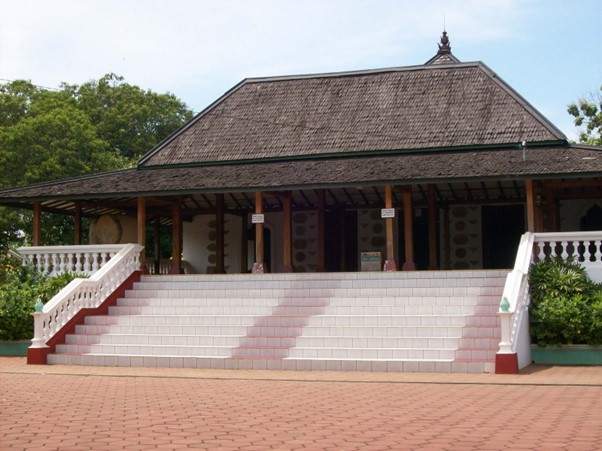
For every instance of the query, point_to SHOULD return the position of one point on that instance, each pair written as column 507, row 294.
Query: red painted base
column 506, row 364
column 390, row 265
column 38, row 356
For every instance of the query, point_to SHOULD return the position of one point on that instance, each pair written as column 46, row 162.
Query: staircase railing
column 85, row 259
column 84, row 293
column 584, row 247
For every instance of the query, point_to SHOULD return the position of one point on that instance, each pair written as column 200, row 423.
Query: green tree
column 588, row 113
column 130, row 119
column 75, row 130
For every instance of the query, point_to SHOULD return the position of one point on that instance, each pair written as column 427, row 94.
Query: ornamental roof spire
column 444, row 47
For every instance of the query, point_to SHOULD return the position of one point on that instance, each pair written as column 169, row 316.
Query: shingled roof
column 445, row 122
column 412, row 168
column 398, row 109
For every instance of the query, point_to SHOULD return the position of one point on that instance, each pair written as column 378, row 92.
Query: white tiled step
column 250, row 309
column 282, row 320
column 274, row 364
column 350, row 331
column 423, row 321
column 258, row 352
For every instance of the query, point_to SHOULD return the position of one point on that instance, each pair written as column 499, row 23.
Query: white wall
column 199, row 243
column 465, row 236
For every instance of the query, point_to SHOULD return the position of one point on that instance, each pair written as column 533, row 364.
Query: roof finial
column 444, row 47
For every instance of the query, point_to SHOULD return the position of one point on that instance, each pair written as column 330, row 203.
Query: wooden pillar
column 244, row 243
column 157, row 245
column 390, row 264
column 77, row 224
column 287, row 233
column 432, row 213
column 176, row 237
column 530, row 198
column 408, row 229
column 36, row 235
column 321, row 254
column 141, row 230
column 220, row 267
column 259, row 267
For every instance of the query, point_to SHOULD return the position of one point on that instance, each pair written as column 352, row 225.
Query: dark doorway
column 421, row 238
column 340, row 241
column 502, row 229
column 592, row 221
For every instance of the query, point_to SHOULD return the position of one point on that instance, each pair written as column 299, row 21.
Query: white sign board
column 387, row 213
column 258, row 218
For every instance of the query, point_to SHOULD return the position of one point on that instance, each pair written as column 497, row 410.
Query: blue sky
column 548, row 50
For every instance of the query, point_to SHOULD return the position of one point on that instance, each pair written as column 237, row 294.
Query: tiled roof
column 421, row 107
column 419, row 167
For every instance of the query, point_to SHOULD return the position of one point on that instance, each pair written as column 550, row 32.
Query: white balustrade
column 583, row 247
column 53, row 260
column 85, row 293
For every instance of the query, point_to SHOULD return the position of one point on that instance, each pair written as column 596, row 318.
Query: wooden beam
column 176, row 237
column 408, row 228
column 259, row 267
column 220, row 267
column 36, row 236
column 390, row 264
column 244, row 243
column 141, row 229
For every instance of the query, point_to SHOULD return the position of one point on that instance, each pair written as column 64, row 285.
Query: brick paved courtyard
column 67, row 408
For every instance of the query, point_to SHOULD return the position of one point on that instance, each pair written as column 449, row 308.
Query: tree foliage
column 98, row 126
column 588, row 114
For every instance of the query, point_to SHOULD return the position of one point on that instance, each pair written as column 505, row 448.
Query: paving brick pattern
column 111, row 409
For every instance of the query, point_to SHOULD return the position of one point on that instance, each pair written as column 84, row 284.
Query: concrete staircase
column 443, row 321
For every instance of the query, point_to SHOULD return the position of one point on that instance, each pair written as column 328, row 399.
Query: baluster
column 577, row 252
column 564, row 253
column 105, row 257
column 587, row 252
column 79, row 264
column 46, row 259
column 87, row 263
column 541, row 255
column 598, row 251
column 94, row 256
column 553, row 252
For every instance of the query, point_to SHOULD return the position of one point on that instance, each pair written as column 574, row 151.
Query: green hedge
column 566, row 306
column 21, row 287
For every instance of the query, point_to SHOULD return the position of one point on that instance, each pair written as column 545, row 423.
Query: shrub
column 566, row 306
column 20, row 289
